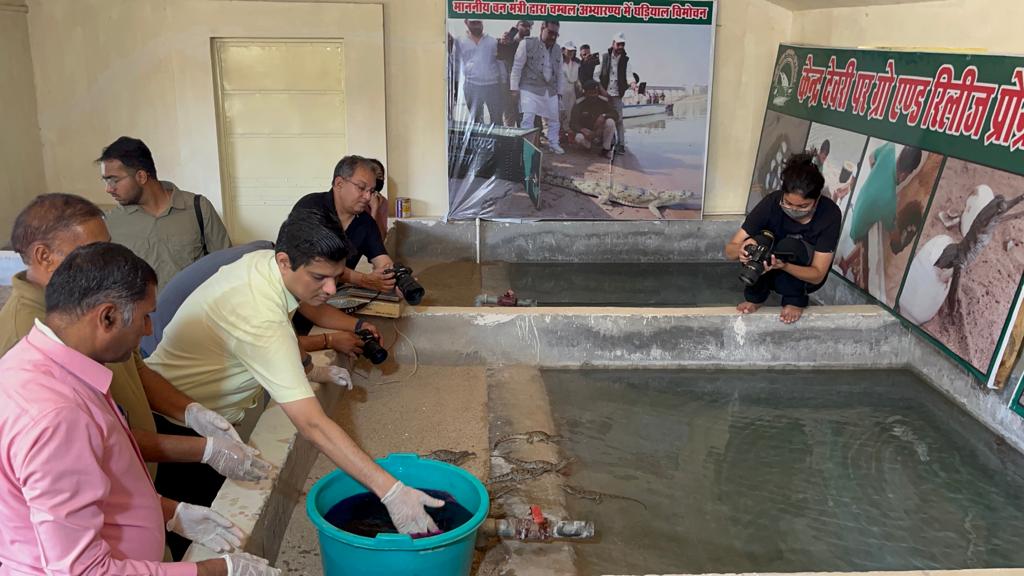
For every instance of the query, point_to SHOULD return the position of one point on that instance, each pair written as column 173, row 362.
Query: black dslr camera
column 410, row 288
column 759, row 254
column 372, row 349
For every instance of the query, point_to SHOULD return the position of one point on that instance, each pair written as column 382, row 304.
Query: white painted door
column 283, row 118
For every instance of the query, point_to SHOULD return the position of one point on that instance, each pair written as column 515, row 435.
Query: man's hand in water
column 406, row 507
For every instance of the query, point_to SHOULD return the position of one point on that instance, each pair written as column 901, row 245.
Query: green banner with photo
column 923, row 154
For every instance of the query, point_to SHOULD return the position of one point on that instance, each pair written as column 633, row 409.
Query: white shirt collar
column 48, row 332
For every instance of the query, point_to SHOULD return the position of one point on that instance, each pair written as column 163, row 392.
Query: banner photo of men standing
column 591, row 111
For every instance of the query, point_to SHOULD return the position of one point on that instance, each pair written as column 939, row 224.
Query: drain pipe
column 527, row 530
column 509, row 298
column 478, row 241
column 538, row 528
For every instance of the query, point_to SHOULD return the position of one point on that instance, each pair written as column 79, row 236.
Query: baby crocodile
column 456, row 457
column 524, row 474
column 497, row 491
column 528, row 464
column 596, row 496
column 530, row 437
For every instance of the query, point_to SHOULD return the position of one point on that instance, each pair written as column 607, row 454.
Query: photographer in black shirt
column 791, row 235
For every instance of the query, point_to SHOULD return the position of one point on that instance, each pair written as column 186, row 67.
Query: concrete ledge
column 262, row 509
column 655, row 337
column 564, row 241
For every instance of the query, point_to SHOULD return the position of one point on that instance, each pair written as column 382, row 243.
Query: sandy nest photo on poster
column 987, row 284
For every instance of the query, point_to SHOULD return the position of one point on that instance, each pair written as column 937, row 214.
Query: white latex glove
column 244, row 564
column 204, row 526
column 331, row 375
column 235, row 460
column 208, row 423
column 405, row 505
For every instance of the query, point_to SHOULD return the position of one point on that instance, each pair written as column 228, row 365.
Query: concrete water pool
column 783, row 471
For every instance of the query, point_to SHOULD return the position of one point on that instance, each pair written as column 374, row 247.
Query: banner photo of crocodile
column 931, row 224
column 578, row 111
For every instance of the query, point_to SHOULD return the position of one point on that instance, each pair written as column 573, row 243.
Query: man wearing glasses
column 805, row 226
column 164, row 225
column 353, row 185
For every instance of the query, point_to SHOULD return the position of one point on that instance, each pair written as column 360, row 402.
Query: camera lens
column 372, row 350
column 411, row 289
column 749, row 275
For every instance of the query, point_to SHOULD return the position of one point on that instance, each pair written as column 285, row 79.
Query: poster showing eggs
column 962, row 284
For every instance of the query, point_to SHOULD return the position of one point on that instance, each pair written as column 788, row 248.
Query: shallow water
column 677, row 284
column 746, row 471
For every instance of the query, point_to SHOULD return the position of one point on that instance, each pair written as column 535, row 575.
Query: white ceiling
column 823, row 4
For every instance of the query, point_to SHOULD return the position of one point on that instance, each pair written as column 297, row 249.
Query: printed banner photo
column 578, row 111
column 924, row 154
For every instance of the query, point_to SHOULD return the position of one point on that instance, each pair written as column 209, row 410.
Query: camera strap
column 360, row 306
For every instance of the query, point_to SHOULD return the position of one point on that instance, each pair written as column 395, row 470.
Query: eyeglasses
column 363, row 188
column 784, row 204
column 111, row 181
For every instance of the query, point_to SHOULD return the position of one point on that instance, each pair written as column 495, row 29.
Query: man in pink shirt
column 75, row 497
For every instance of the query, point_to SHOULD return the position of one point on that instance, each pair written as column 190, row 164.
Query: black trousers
column 794, row 291
column 192, row 482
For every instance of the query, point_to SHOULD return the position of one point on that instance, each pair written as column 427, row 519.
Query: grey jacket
column 528, row 68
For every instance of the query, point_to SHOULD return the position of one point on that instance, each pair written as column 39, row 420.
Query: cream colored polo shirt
column 233, row 337
column 169, row 241
column 28, row 304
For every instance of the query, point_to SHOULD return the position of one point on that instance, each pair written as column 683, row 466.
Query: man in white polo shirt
column 232, row 338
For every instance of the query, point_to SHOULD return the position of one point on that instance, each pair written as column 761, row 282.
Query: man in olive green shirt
column 45, row 232
column 155, row 218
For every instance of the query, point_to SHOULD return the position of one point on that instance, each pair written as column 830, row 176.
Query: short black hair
column 909, row 159
column 309, row 235
column 131, row 152
column 590, row 85
column 549, row 23
column 800, row 176
column 46, row 217
column 825, row 147
column 99, row 273
column 582, row 46
column 383, row 174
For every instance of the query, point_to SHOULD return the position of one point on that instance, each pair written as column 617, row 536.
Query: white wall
column 748, row 36
column 106, row 68
column 21, row 160
column 991, row 25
